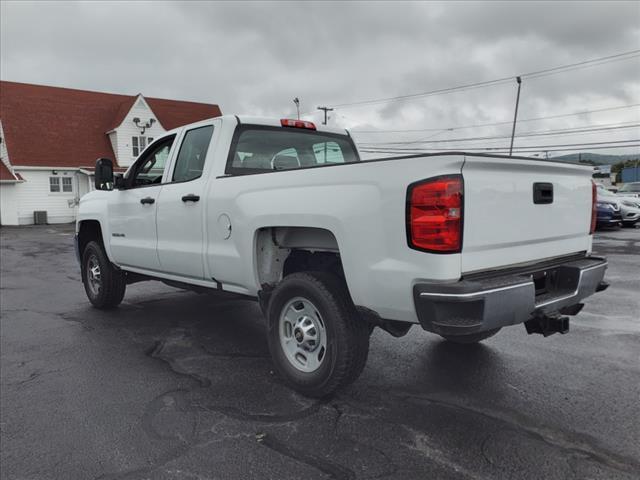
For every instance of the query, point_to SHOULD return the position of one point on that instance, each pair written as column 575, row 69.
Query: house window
column 67, row 185
column 60, row 184
column 54, row 184
column 138, row 144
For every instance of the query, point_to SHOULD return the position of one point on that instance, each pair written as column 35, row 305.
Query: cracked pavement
column 176, row 385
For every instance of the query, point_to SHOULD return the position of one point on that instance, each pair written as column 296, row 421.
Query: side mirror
column 104, row 174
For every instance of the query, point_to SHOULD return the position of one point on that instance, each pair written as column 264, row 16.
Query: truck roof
column 253, row 120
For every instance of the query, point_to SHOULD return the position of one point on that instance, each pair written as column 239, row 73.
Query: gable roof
column 62, row 127
column 7, row 176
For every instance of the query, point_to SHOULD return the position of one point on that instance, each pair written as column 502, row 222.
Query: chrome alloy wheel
column 94, row 279
column 303, row 336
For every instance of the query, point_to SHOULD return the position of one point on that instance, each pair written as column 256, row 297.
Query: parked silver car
column 629, row 205
column 631, row 189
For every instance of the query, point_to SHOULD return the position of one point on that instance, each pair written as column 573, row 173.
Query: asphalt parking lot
column 176, row 385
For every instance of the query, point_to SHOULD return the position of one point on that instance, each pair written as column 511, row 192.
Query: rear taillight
column 594, row 209
column 285, row 122
column 434, row 214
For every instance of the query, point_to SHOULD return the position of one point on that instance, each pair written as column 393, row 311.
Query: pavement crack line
column 155, row 351
column 580, row 447
column 237, row 414
column 333, row 470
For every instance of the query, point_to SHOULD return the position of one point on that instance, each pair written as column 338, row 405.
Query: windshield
column 260, row 149
column 630, row 187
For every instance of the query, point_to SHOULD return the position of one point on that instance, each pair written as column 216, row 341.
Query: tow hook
column 548, row 324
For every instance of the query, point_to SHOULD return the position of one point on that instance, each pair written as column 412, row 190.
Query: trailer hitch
column 548, row 324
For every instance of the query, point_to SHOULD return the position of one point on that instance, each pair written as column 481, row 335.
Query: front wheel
column 317, row 340
column 471, row 338
column 103, row 283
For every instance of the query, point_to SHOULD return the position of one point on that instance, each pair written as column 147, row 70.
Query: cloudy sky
column 254, row 58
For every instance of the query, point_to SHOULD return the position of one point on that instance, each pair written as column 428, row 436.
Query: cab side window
column 149, row 168
column 192, row 155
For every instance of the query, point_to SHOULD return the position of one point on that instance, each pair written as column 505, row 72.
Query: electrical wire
column 558, row 132
column 548, row 117
column 529, row 147
column 501, row 152
column 498, row 81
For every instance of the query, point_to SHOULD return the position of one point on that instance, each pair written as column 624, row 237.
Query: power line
column 549, row 117
column 506, row 150
column 498, row 81
column 532, row 147
column 561, row 132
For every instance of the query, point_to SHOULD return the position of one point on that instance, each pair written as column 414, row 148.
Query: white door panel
column 132, row 210
column 132, row 224
column 180, row 229
column 180, row 206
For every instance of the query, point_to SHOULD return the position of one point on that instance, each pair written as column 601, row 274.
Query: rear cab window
column 260, row 149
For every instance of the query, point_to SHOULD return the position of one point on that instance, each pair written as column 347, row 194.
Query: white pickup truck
column 331, row 246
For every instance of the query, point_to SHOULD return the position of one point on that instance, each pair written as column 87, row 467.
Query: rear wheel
column 103, row 283
column 317, row 340
column 471, row 338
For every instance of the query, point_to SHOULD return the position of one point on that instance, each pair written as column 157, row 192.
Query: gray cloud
column 255, row 57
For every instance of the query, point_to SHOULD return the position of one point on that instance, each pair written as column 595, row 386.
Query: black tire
column 470, row 338
column 347, row 334
column 112, row 282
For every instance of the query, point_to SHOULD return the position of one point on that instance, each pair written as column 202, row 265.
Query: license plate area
column 555, row 282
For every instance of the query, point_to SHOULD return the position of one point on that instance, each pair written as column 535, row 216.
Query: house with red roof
column 50, row 138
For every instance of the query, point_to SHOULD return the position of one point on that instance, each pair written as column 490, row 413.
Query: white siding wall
column 113, row 137
column 8, row 199
column 124, row 132
column 34, row 195
column 9, row 203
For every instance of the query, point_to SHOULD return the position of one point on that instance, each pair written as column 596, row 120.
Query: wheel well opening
column 89, row 231
column 305, row 260
column 281, row 251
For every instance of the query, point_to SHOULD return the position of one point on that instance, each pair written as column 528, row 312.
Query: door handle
column 147, row 200
column 191, row 198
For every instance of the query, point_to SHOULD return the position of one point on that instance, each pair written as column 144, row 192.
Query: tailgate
column 504, row 226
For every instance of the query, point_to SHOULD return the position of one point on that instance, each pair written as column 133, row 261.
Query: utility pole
column 515, row 115
column 297, row 102
column 325, row 109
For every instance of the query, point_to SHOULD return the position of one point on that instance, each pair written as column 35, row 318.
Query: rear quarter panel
column 363, row 205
